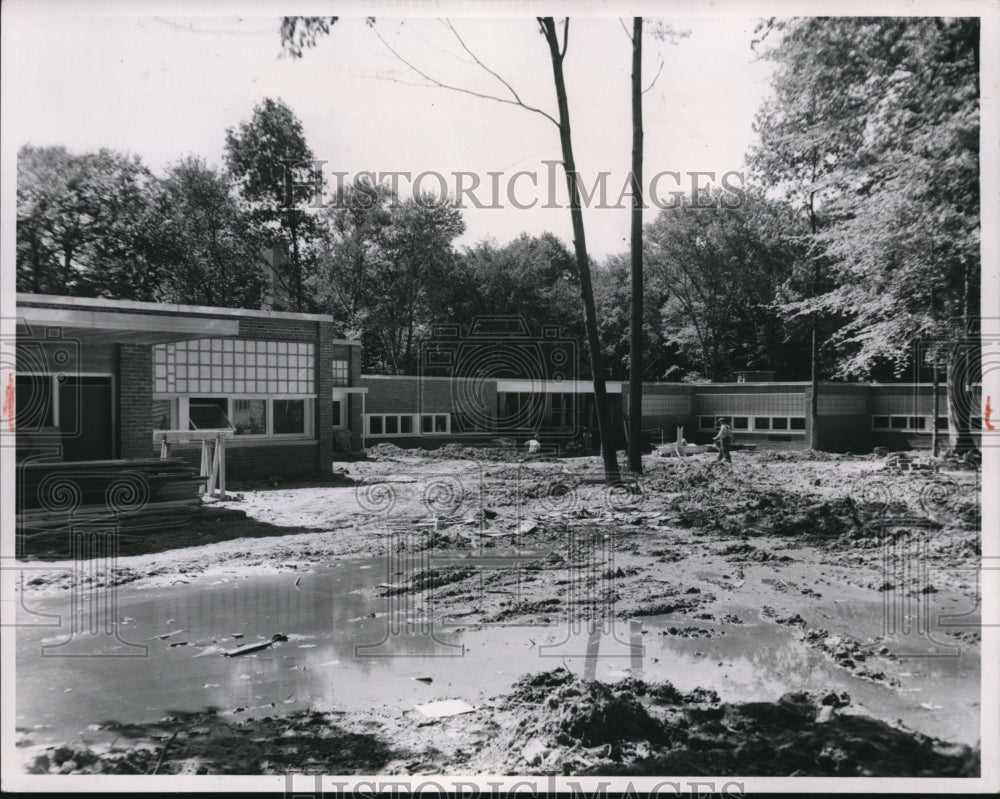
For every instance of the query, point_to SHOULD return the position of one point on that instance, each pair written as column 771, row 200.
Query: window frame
column 340, row 372
column 414, row 421
column 183, row 419
column 909, row 423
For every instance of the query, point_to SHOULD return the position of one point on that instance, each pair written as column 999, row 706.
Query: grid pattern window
column 757, row 424
column 904, row 424
column 341, row 373
column 785, row 403
column 407, row 424
column 234, row 366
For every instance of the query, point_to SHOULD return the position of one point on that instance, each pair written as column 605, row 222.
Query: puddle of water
column 351, row 649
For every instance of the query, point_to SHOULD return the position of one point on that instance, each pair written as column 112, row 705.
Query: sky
column 136, row 78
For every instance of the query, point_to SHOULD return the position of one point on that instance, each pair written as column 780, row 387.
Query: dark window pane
column 898, row 422
column 942, row 423
column 375, row 425
column 33, row 402
column 391, row 425
column 208, row 413
column 289, row 417
column 880, row 422
column 741, row 423
column 918, row 422
column 779, row 423
column 797, row 423
column 405, row 424
column 762, row 423
column 427, row 423
column 441, row 423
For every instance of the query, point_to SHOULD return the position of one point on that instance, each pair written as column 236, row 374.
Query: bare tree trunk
column 611, row 471
column 814, row 399
column 296, row 263
column 935, row 438
column 635, row 330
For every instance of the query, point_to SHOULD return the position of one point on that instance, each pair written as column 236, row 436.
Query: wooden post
column 221, row 450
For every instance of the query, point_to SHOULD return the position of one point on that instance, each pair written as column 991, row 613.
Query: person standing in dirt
column 722, row 439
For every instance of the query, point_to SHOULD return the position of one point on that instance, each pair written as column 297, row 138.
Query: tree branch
column 434, row 83
column 655, row 78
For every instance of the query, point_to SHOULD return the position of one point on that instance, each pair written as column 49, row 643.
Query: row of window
column 757, row 424
column 253, row 417
column 907, row 424
column 407, row 424
column 793, row 424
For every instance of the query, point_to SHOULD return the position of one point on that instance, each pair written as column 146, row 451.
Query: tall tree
column 722, row 269
column 80, row 221
column 309, row 28
column 635, row 325
column 206, row 248
column 384, row 269
column 267, row 156
column 613, row 295
column 532, row 276
column 875, row 122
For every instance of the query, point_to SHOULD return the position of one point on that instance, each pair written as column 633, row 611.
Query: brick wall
column 135, row 399
column 354, row 401
column 325, row 353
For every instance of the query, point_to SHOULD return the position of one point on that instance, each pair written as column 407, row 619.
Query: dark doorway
column 85, row 418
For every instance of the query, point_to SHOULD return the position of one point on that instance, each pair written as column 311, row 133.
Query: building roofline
column 84, row 303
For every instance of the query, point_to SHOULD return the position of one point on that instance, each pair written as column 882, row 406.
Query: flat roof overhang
column 126, row 328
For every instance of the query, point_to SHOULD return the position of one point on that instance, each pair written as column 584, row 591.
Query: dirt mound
column 556, row 721
column 386, row 451
column 203, row 743
column 478, row 453
column 737, row 510
column 555, row 710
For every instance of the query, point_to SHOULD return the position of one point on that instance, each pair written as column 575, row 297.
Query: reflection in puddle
column 346, row 651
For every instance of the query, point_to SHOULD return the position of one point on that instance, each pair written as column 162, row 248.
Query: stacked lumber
column 136, row 494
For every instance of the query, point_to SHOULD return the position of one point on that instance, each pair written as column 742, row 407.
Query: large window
column 245, row 416
column 234, row 366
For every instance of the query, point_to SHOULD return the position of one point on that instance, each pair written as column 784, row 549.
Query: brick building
column 96, row 378
column 851, row 416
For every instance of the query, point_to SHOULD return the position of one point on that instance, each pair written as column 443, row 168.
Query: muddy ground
column 692, row 548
